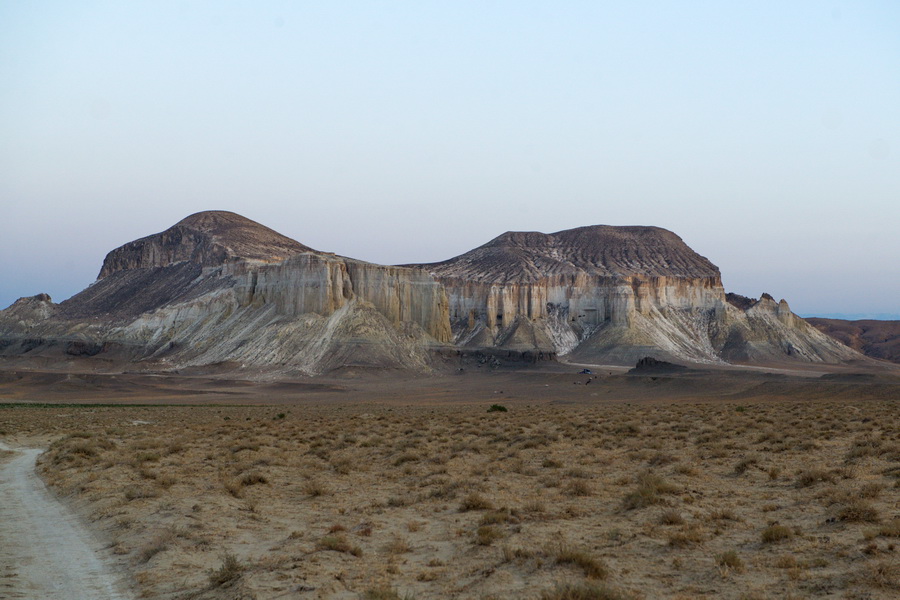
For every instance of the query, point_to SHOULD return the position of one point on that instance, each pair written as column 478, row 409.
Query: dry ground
column 592, row 499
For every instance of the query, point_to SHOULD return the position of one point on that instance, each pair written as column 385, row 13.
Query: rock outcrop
column 219, row 288
column 614, row 295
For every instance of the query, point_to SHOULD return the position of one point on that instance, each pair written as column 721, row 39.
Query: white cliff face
column 218, row 288
column 301, row 313
column 584, row 291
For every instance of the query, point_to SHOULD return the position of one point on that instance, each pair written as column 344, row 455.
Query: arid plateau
column 227, row 413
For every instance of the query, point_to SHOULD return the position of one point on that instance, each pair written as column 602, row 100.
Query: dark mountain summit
column 600, row 250
column 207, row 239
column 217, row 288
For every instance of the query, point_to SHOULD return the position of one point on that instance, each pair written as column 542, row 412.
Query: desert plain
column 704, row 483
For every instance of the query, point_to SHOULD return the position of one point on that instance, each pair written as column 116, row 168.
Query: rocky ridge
column 219, row 288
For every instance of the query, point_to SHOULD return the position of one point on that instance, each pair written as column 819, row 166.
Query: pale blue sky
column 766, row 134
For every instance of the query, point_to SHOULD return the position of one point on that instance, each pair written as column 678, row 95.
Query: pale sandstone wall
column 584, row 301
column 322, row 284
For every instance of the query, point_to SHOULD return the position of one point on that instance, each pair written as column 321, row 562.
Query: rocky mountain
column 217, row 288
column 605, row 294
column 878, row 339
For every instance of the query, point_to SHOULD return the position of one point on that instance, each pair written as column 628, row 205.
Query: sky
column 765, row 134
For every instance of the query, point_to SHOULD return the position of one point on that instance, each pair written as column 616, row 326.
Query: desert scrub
column 159, row 543
column 744, row 464
column 579, row 488
column 688, row 535
column 475, row 501
column 649, row 491
column 338, row 543
column 252, row 478
column 730, row 560
column 314, row 488
column 582, row 558
column 776, row 533
column 671, row 517
column 230, row 571
column 808, row 477
column 386, row 593
column 585, row 591
column 138, row 492
column 858, row 511
column 487, row 535
column 889, row 529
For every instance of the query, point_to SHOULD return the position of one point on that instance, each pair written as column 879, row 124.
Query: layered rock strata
column 614, row 294
column 219, row 288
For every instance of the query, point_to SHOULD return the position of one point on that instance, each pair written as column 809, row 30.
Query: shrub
column 253, row 478
column 578, row 487
column 385, row 593
column 230, row 571
column 730, row 560
column 497, row 408
column 475, row 502
column 585, row 591
column 890, row 529
column 487, row 535
column 776, row 533
column 649, row 491
column 581, row 558
column 741, row 467
column 314, row 489
column 857, row 511
column 686, row 536
column 671, row 517
column 338, row 543
column 809, row 477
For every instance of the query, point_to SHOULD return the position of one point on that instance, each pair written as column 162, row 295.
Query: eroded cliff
column 219, row 288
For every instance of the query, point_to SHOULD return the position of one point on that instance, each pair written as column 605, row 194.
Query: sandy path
column 44, row 550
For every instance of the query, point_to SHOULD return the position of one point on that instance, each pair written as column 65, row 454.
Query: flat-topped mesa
column 219, row 288
column 207, row 239
column 597, row 250
column 571, row 282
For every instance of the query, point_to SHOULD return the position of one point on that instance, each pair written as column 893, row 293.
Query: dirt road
column 44, row 551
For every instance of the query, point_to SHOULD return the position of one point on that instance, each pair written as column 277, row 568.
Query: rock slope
column 613, row 295
column 219, row 288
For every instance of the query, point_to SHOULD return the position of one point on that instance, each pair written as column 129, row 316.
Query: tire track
column 45, row 552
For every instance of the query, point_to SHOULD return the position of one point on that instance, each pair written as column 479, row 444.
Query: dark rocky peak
column 741, row 302
column 601, row 250
column 208, row 238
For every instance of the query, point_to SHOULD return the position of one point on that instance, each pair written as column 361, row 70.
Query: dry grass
column 682, row 500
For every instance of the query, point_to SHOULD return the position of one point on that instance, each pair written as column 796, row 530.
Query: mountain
column 605, row 294
column 875, row 338
column 219, row 289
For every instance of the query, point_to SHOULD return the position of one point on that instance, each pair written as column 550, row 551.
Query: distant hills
column 875, row 338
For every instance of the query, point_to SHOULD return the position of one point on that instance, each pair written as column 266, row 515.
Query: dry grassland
column 707, row 500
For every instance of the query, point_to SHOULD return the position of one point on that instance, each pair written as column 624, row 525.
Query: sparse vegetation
column 585, row 591
column 581, row 558
column 730, row 560
column 776, row 533
column 231, row 570
column 408, row 501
